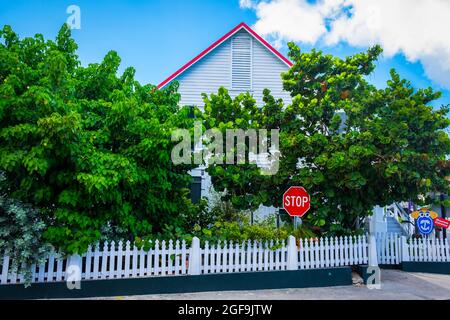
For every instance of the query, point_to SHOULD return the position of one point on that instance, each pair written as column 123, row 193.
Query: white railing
column 175, row 258
column 403, row 218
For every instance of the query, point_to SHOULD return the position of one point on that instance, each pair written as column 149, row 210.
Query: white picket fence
column 268, row 256
column 114, row 261
column 248, row 256
column 426, row 250
column 175, row 258
column 388, row 248
column 333, row 252
column 393, row 249
column 172, row 258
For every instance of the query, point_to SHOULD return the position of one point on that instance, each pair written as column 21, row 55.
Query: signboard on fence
column 296, row 201
column 441, row 222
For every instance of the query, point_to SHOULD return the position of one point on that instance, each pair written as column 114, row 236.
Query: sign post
column 297, row 222
column 296, row 201
column 443, row 214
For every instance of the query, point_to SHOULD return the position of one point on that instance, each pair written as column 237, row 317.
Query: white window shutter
column 241, row 62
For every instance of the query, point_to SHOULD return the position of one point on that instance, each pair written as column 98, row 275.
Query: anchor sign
column 424, row 220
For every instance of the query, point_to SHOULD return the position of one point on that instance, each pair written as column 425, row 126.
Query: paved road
column 395, row 285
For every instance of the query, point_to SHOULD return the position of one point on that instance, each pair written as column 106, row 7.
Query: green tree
column 351, row 145
column 89, row 149
column 240, row 181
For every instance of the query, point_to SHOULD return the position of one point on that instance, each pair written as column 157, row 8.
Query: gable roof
column 240, row 26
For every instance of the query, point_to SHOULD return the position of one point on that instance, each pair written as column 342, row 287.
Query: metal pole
column 443, row 214
column 297, row 222
column 278, row 218
column 416, row 229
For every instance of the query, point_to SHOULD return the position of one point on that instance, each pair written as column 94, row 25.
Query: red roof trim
column 218, row 42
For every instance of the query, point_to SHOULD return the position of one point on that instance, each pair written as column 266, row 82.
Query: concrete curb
column 183, row 284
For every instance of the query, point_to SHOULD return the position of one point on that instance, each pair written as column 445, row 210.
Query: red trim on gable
column 218, row 42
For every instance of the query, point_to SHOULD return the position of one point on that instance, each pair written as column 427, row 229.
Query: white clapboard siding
column 266, row 73
column 240, row 64
column 206, row 76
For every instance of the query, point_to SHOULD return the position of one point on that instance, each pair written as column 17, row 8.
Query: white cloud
column 417, row 28
column 246, row 4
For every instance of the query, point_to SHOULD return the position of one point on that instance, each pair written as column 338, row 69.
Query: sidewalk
column 396, row 285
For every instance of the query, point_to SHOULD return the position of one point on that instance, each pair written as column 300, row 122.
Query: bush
column 265, row 230
column 223, row 210
column 21, row 236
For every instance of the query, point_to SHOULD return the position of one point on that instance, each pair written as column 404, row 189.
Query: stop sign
column 296, row 201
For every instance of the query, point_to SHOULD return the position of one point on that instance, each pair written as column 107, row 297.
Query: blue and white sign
column 425, row 225
column 424, row 220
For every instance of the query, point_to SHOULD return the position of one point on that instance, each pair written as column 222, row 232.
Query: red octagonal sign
column 296, row 201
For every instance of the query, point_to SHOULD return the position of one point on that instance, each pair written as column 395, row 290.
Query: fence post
column 194, row 257
column 292, row 260
column 373, row 259
column 405, row 251
column 73, row 272
column 4, row 270
column 377, row 222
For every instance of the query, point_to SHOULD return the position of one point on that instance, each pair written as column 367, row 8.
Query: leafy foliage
column 241, row 230
column 225, row 211
column 242, row 182
column 237, row 232
column 89, row 148
column 351, row 145
column 21, row 229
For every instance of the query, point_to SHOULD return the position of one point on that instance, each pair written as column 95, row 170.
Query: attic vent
column 241, row 62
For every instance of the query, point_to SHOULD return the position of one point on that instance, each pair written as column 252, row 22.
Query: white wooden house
column 240, row 61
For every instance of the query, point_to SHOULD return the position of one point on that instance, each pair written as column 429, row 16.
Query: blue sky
column 157, row 37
